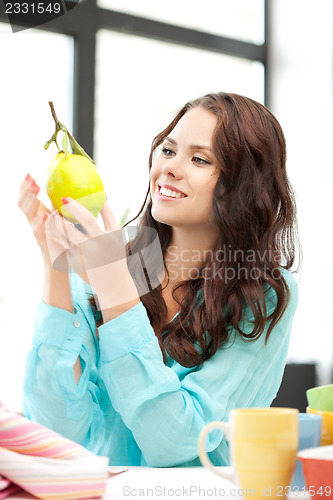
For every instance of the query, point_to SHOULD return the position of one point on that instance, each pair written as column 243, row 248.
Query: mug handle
column 203, row 456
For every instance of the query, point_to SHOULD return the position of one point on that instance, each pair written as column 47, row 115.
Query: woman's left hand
column 98, row 256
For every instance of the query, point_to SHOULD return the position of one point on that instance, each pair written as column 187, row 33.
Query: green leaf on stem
column 65, row 145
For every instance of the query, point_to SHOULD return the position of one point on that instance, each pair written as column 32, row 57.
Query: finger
column 57, row 243
column 74, row 236
column 26, row 187
column 94, row 250
column 27, row 181
column 109, row 219
column 75, row 239
column 65, row 250
column 29, row 205
column 27, row 192
column 30, row 181
column 54, row 228
column 83, row 216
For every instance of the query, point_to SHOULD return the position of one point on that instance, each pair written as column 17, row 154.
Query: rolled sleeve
column 60, row 338
column 59, row 328
column 125, row 333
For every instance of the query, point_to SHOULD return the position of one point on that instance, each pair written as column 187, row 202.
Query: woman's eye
column 167, row 152
column 200, row 161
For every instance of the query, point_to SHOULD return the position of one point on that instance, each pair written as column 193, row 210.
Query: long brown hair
column 254, row 208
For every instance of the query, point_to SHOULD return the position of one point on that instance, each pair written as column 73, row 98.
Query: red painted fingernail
column 45, row 216
column 65, row 200
column 54, row 213
column 34, row 188
column 27, row 177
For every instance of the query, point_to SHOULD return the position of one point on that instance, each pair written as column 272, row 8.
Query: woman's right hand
column 57, row 292
column 35, row 211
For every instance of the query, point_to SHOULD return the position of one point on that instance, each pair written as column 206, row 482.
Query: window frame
column 87, row 18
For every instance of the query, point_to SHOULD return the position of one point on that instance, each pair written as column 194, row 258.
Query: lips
column 171, row 188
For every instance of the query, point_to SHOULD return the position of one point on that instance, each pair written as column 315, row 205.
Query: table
column 194, row 483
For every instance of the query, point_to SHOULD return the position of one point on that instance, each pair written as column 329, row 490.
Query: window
column 238, row 19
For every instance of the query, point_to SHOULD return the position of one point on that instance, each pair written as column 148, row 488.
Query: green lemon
column 74, row 176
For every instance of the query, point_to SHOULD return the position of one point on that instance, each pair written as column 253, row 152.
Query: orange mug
column 327, row 426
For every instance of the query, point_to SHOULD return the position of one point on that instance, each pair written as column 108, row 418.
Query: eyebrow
column 193, row 146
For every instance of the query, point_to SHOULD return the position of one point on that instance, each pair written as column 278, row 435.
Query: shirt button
column 76, row 324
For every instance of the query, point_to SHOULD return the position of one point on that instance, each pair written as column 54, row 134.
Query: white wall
column 302, row 101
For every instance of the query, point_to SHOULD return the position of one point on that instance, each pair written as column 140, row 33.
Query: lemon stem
column 76, row 148
column 54, row 116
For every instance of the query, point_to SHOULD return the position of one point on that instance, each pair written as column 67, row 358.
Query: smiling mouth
column 168, row 193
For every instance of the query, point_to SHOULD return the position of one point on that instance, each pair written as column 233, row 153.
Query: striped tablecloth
column 44, row 463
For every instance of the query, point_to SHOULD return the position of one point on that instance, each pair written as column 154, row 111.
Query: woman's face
column 184, row 172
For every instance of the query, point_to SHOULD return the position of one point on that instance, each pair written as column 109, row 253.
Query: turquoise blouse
column 128, row 404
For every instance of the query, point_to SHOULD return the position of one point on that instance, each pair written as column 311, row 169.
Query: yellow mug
column 263, row 445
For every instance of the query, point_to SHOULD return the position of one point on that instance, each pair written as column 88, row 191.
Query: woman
column 212, row 336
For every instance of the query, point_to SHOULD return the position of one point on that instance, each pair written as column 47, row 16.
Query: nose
column 172, row 167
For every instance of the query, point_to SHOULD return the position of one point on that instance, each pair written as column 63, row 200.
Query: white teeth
column 171, row 194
